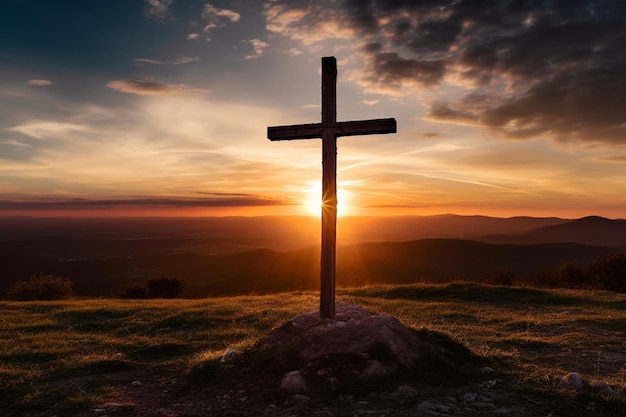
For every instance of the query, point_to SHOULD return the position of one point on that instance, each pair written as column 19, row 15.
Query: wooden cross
column 329, row 130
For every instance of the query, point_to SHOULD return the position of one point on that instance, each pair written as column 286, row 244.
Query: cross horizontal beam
column 316, row 130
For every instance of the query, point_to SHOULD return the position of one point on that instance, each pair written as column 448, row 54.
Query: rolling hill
column 264, row 270
column 244, row 255
column 591, row 230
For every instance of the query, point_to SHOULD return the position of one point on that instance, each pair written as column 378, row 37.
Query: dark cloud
column 392, row 71
column 221, row 200
column 550, row 67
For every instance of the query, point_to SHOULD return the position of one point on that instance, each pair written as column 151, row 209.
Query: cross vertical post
column 329, row 130
column 329, row 188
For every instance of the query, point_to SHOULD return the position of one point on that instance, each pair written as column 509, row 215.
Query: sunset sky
column 161, row 107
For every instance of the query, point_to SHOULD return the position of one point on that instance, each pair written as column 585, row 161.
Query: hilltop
column 164, row 357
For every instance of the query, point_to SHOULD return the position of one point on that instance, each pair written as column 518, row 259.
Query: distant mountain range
column 590, row 230
column 269, row 254
column 293, row 232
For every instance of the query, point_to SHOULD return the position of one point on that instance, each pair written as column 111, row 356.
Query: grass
column 65, row 356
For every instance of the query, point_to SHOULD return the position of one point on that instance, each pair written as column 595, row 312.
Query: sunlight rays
column 312, row 202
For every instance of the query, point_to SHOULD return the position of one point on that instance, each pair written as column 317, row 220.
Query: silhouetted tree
column 573, row 275
column 41, row 287
column 165, row 287
column 136, row 291
column 608, row 272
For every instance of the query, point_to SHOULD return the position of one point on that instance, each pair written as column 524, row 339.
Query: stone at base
column 294, row 383
column 571, row 381
column 353, row 331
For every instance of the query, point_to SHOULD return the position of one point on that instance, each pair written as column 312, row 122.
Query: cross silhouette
column 329, row 130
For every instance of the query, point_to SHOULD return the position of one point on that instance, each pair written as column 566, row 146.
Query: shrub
column 41, row 287
column 608, row 272
column 162, row 287
column 136, row 291
column 573, row 275
column 165, row 287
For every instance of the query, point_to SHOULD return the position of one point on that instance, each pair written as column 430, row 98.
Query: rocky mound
column 356, row 345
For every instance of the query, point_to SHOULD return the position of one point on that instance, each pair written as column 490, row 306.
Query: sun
column 313, row 200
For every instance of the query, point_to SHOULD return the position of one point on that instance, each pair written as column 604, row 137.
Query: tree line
column 44, row 287
column 606, row 272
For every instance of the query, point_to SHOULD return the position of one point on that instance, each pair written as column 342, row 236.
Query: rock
column 353, row 331
column 599, row 385
column 406, row 390
column 488, row 384
column 355, row 344
column 571, row 381
column 115, row 408
column 293, row 382
column 483, row 399
column 427, row 407
column 229, row 355
column 137, row 383
column 604, row 388
column 469, row 398
column 376, row 369
column 486, row 370
column 299, row 399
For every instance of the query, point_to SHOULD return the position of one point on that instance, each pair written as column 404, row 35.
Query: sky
column 161, row 107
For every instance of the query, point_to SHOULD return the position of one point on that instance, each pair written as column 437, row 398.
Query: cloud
column 258, row 47
column 47, row 129
column 216, row 17
column 309, row 24
column 428, row 135
column 193, row 36
column 617, row 159
column 15, row 143
column 548, row 68
column 390, row 73
column 150, row 88
column 147, row 61
column 186, row 60
column 40, row 82
column 179, row 61
column 144, row 88
column 295, row 52
column 219, row 200
column 158, row 9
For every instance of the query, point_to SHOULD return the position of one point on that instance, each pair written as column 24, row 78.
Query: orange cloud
column 150, row 88
column 40, row 82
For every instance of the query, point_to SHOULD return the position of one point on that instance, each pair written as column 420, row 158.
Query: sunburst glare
column 312, row 202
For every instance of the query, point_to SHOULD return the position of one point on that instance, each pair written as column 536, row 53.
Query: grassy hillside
column 69, row 358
